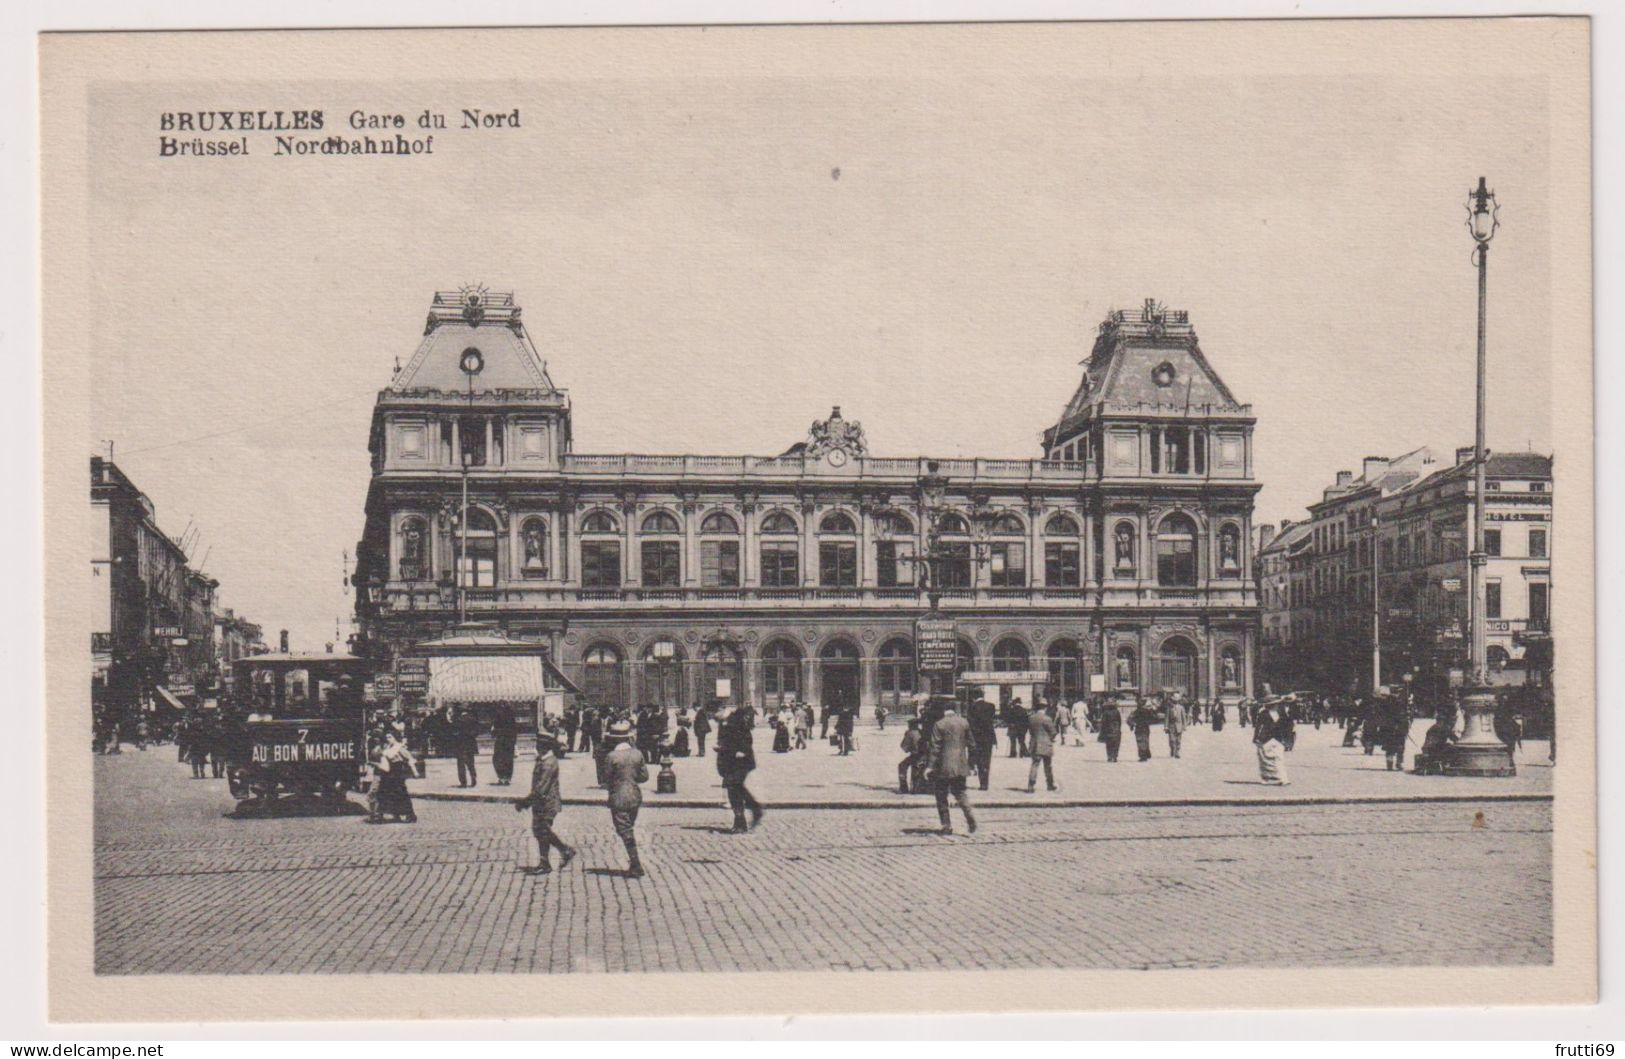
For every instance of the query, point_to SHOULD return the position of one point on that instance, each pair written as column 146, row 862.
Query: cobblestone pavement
column 182, row 888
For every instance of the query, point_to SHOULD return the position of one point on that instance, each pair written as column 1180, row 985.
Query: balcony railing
column 783, row 467
column 530, row 595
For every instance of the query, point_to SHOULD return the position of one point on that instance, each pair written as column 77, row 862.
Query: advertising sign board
column 936, row 649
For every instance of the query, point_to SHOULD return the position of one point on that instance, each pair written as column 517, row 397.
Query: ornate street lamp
column 933, row 489
column 472, row 363
column 1479, row 751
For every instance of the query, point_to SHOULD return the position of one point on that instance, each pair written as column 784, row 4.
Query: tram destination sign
column 936, row 647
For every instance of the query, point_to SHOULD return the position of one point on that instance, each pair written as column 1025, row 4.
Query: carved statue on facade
column 533, row 548
column 1124, row 539
column 1227, row 550
column 1228, row 670
column 1125, row 671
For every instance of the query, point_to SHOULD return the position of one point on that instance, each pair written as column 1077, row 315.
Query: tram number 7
column 304, row 734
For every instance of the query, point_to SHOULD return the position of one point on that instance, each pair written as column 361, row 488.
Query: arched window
column 781, row 672
column 722, row 675
column 414, row 563
column 777, row 522
column 1230, row 550
column 780, row 551
column 663, row 682
column 1176, row 552
column 661, row 522
column 600, row 551
column 893, row 524
column 837, row 559
column 661, row 550
column 837, row 522
column 601, row 676
column 838, row 668
column 896, row 671
column 478, row 547
column 719, row 552
column 719, row 522
column 1007, row 559
column 1066, row 671
column 1061, row 525
column 1010, row 655
column 1008, row 525
column 954, row 569
column 894, row 547
column 533, row 548
column 1123, row 547
column 1125, row 668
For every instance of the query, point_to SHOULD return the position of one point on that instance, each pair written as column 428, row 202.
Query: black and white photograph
column 877, row 505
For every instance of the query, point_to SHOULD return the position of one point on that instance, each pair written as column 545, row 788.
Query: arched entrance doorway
column 896, row 672
column 1176, row 667
column 838, row 673
column 722, row 675
column 663, row 678
column 1066, row 671
column 781, row 672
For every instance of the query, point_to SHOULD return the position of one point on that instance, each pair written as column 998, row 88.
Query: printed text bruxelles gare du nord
column 289, row 131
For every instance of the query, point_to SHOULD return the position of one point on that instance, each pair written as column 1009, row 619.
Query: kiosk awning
column 494, row 681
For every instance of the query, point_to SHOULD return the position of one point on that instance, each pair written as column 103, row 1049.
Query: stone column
column 750, row 561
column 809, row 546
column 631, row 561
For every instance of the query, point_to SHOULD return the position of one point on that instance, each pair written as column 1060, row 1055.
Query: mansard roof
column 1147, row 360
column 480, row 319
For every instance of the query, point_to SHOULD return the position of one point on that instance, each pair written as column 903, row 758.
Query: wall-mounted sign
column 936, row 647
column 1451, row 584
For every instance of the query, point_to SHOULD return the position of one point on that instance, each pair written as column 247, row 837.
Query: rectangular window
column 781, row 567
column 1492, row 599
column 1537, row 487
column 955, row 566
column 662, row 566
column 837, row 564
column 1537, row 544
column 1062, row 568
column 1008, row 565
column 891, row 569
column 1540, row 602
column 1492, row 542
column 719, row 564
column 600, row 564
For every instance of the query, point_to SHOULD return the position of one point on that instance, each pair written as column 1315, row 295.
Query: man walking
column 702, row 728
column 736, row 758
column 910, row 747
column 1174, row 724
column 465, row 743
column 544, row 804
column 1041, row 744
column 572, row 724
column 1016, row 729
column 950, row 763
column 624, row 769
column 983, row 718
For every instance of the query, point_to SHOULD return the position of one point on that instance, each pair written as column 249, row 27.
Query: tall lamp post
column 1479, row 751
column 472, row 363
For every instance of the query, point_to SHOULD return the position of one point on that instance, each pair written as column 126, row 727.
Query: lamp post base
column 1479, row 751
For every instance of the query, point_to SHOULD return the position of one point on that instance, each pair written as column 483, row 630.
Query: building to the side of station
column 1123, row 550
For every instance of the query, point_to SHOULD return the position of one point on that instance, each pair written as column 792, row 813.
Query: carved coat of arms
column 835, row 433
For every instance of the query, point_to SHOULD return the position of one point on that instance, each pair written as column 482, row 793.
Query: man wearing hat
column 544, row 804
column 736, row 758
column 624, row 769
column 949, row 757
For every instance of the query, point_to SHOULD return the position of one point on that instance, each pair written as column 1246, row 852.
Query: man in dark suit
column 1016, row 729
column 702, row 727
column 983, row 718
column 736, row 759
column 949, row 758
column 466, row 732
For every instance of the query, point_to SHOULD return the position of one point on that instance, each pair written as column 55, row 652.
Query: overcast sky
column 700, row 279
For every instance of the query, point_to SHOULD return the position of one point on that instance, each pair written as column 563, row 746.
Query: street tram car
column 298, row 728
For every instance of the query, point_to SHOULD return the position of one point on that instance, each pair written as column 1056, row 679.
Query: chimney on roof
column 1344, row 477
column 1372, row 466
column 1266, row 533
column 1464, row 455
column 282, row 640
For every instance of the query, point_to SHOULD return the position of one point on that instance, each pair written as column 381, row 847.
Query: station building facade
column 1124, row 549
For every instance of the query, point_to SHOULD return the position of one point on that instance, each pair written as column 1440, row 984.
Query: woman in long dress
column 1267, row 725
column 781, row 735
column 395, row 763
column 504, row 737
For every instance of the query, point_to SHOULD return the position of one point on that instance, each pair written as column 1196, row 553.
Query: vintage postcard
column 804, row 519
